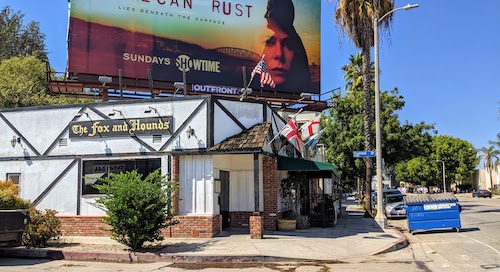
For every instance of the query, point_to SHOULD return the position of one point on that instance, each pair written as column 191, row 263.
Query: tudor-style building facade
column 217, row 148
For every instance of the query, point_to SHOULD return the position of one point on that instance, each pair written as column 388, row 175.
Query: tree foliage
column 23, row 83
column 459, row 157
column 345, row 129
column 137, row 208
column 19, row 39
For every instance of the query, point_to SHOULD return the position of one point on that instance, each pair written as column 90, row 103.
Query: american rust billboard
column 210, row 40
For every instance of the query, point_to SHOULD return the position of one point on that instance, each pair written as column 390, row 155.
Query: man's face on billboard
column 278, row 50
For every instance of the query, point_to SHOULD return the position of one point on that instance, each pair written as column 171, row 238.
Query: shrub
column 137, row 208
column 44, row 225
column 9, row 199
column 496, row 191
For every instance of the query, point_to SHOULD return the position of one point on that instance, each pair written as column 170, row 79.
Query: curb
column 139, row 257
column 401, row 243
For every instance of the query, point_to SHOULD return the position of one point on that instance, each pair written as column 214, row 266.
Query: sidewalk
column 353, row 236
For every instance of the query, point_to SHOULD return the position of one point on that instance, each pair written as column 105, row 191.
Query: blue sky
column 443, row 57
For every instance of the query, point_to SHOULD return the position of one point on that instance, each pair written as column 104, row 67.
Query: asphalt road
column 475, row 248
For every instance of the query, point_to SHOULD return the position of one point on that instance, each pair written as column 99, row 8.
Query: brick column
column 175, row 178
column 271, row 191
column 256, row 227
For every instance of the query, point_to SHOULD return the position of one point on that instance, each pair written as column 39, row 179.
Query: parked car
column 395, row 206
column 386, row 192
column 481, row 193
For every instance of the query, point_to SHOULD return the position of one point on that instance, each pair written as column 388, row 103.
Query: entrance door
column 224, row 198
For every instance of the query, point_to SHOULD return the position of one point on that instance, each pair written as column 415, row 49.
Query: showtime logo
column 185, row 64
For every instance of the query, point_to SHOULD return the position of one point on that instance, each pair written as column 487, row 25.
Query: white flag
column 310, row 128
column 291, row 133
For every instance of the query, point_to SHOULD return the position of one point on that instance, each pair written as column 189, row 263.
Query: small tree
column 137, row 208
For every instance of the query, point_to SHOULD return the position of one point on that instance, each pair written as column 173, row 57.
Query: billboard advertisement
column 210, row 40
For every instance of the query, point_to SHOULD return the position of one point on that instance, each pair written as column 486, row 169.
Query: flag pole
column 245, row 90
column 276, row 136
column 253, row 74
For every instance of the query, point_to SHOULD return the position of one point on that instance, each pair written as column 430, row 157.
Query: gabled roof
column 251, row 140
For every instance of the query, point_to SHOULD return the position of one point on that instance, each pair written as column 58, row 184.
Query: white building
column 216, row 148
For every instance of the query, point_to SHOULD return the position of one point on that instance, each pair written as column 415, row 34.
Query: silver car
column 395, row 206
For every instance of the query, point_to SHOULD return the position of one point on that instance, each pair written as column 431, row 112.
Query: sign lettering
column 121, row 127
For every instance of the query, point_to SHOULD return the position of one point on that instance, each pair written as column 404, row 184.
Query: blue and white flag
column 313, row 141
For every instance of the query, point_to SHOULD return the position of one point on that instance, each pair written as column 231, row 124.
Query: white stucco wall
column 37, row 175
column 41, row 127
column 241, row 181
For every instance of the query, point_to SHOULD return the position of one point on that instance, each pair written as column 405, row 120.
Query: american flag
column 265, row 77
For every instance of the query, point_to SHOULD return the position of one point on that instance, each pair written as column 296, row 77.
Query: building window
column 15, row 178
column 94, row 171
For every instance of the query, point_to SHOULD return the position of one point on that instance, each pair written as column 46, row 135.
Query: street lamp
column 380, row 218
column 444, row 177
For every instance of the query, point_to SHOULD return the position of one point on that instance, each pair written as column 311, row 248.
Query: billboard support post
column 150, row 79
column 120, row 83
column 184, row 82
column 244, row 71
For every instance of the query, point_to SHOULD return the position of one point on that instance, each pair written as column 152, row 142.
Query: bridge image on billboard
column 209, row 40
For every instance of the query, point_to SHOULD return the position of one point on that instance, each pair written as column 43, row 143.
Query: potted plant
column 14, row 215
column 290, row 188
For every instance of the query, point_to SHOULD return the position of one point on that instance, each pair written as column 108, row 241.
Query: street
column 475, row 248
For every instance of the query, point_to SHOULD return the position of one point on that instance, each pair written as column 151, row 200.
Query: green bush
column 43, row 226
column 496, row 191
column 9, row 199
column 137, row 208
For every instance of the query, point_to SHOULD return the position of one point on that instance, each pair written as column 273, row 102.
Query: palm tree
column 497, row 142
column 491, row 157
column 355, row 18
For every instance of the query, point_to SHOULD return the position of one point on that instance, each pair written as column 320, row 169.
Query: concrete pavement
column 352, row 237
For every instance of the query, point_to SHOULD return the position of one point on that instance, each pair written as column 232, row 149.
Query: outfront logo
column 185, row 64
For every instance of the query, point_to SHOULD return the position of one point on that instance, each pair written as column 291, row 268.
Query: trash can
column 432, row 211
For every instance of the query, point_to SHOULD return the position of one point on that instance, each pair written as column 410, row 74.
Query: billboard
column 210, row 40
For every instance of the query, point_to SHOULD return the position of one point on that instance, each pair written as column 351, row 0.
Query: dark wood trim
column 79, row 188
column 256, row 182
column 137, row 139
column 89, row 156
column 228, row 113
column 24, row 141
column 264, row 113
column 211, row 122
column 52, row 145
column 98, row 112
column 181, row 127
column 53, row 183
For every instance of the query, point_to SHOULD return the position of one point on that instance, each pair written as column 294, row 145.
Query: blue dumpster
column 432, row 211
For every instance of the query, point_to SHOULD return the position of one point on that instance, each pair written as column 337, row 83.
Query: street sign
column 364, row 154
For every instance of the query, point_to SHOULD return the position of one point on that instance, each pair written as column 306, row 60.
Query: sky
column 443, row 57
